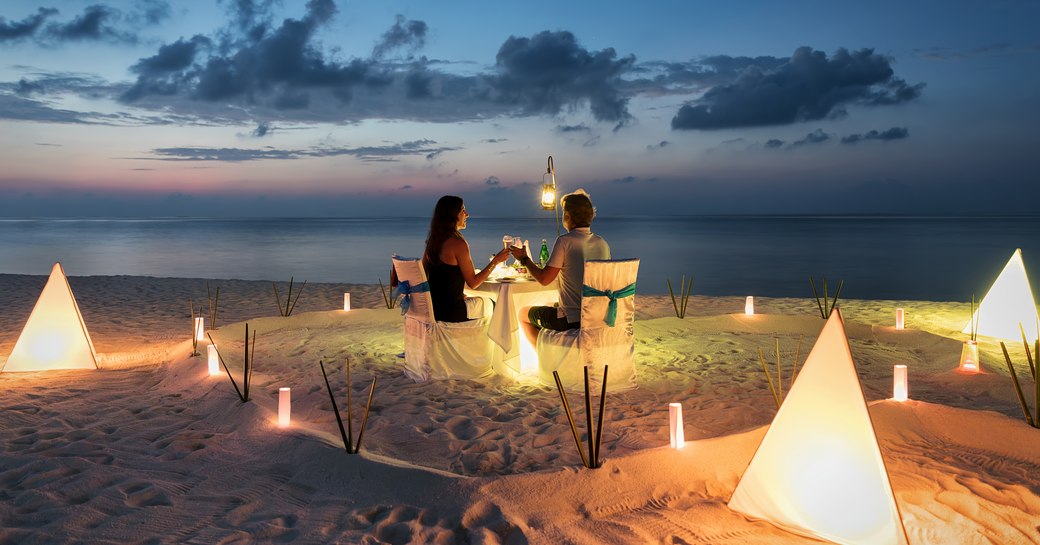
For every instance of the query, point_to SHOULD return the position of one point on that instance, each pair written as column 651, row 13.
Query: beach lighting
column 1007, row 303
column 549, row 192
column 346, row 301
column 200, row 329
column 969, row 358
column 900, row 317
column 284, row 402
column 54, row 336
column 900, row 386
column 676, row 439
column 749, row 306
column 213, row 360
column 818, row 471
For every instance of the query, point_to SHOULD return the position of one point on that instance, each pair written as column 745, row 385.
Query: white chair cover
column 439, row 350
column 596, row 343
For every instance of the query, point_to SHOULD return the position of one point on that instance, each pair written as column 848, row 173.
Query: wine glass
column 506, row 241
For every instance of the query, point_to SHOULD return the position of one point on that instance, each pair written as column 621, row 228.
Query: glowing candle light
column 970, row 357
column 200, row 329
column 214, row 360
column 749, row 306
column 346, row 301
column 900, row 386
column 675, row 426
column 899, row 319
column 284, row 401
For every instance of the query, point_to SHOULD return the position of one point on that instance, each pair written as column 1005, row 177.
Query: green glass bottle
column 543, row 255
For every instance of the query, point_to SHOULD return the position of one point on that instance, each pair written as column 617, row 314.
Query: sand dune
column 150, row 449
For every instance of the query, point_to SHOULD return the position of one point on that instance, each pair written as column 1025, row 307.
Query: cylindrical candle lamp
column 675, row 426
column 749, row 306
column 200, row 329
column 214, row 360
column 900, row 385
column 899, row 319
column 970, row 357
column 284, row 401
column 346, row 301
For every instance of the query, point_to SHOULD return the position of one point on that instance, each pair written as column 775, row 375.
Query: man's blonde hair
column 579, row 206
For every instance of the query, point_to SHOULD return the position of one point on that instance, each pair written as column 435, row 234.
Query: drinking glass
column 506, row 241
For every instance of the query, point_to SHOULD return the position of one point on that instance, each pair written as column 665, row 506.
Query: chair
column 603, row 339
column 433, row 349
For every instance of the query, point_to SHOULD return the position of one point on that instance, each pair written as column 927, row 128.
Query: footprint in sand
column 142, row 494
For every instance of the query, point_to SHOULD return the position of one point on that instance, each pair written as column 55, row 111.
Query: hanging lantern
column 900, row 386
column 548, row 197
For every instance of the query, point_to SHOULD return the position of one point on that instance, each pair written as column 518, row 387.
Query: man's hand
column 519, row 253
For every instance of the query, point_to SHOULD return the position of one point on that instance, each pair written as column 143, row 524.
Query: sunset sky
column 322, row 108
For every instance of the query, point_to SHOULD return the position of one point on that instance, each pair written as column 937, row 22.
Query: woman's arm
column 460, row 248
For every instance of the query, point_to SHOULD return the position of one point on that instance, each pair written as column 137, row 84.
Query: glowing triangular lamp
column 1008, row 302
column 819, row 471
column 55, row 336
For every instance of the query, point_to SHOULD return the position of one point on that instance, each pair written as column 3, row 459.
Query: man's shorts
column 547, row 318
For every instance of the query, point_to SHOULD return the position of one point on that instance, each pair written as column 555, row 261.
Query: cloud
column 492, row 180
column 806, row 87
column 895, row 133
column 237, row 155
column 152, row 12
column 405, row 34
column 660, row 145
column 550, row 72
column 98, row 22
column 262, row 130
column 989, row 50
column 774, row 143
column 494, row 140
column 815, row 137
column 564, row 129
column 17, row 30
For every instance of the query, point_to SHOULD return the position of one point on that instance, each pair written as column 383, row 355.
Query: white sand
column 152, row 450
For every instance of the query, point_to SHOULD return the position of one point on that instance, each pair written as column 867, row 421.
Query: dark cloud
column 550, row 72
column 773, row 143
column 660, row 145
column 815, row 137
column 492, row 180
column 808, row 86
column 17, row 30
column 164, row 72
column 573, row 128
column 494, row 140
column 262, row 130
column 417, row 82
column 591, row 142
column 26, row 87
column 989, row 50
column 152, row 11
column 98, row 22
column 405, row 34
column 895, row 133
column 237, row 155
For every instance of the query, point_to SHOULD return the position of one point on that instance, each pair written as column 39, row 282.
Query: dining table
column 514, row 355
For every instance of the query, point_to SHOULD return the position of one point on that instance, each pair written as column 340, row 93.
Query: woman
column 449, row 267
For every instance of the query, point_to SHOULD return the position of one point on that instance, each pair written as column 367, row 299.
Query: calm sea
column 927, row 258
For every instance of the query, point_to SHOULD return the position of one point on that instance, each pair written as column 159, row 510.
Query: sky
column 150, row 108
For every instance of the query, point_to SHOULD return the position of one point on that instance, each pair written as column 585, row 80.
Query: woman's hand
column 518, row 252
column 501, row 257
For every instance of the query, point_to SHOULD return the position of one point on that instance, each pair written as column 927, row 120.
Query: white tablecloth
column 510, row 298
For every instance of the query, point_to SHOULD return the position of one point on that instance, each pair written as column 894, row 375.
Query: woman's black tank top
column 446, row 284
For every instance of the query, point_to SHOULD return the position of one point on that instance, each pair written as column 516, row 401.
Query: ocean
column 925, row 258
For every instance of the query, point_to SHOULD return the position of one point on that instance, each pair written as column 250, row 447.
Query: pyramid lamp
column 54, row 336
column 819, row 471
column 1008, row 303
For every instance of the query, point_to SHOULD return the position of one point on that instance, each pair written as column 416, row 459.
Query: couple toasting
column 449, row 266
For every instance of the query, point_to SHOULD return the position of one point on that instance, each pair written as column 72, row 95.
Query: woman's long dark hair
column 443, row 225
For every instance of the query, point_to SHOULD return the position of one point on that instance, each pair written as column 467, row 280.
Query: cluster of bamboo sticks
column 247, row 365
column 777, row 388
column 286, row 311
column 1033, row 359
column 593, row 435
column 684, row 295
column 826, row 305
column 348, row 434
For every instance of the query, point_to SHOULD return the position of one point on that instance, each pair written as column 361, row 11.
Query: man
column 567, row 261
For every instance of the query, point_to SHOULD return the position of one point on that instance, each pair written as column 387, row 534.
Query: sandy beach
column 151, row 449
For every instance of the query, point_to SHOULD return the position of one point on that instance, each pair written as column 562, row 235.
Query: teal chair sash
column 627, row 291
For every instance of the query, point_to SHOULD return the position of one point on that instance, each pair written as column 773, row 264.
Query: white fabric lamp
column 284, row 407
column 346, row 301
column 900, row 317
column 200, row 329
column 213, row 360
column 749, row 306
column 676, row 437
column 900, row 386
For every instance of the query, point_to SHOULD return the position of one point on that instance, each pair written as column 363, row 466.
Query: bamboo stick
column 364, row 422
column 277, row 298
column 335, row 409
column 288, row 297
column 298, row 294
column 599, row 423
column 1029, row 354
column 1018, row 388
column 588, row 420
column 686, row 296
column 797, row 353
column 816, row 295
column 765, row 370
column 570, row 419
column 672, row 295
column 779, row 371
column 835, row 301
column 350, row 414
column 226, row 369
